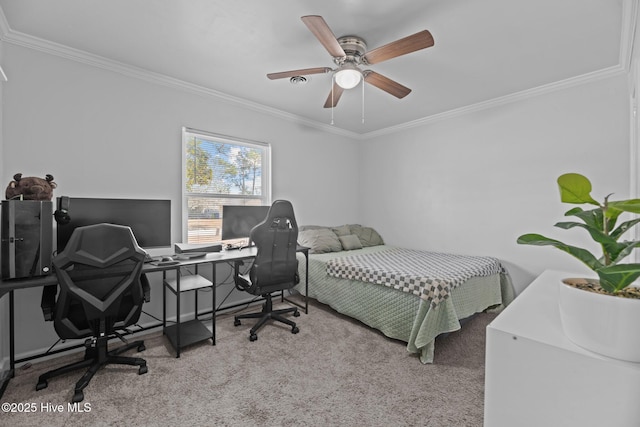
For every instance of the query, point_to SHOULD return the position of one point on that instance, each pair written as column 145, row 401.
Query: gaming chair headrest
column 282, row 208
column 279, row 209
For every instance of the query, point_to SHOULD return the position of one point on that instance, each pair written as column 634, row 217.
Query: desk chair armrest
column 48, row 301
column 146, row 287
column 241, row 281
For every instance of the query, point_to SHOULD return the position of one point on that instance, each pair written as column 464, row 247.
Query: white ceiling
column 484, row 50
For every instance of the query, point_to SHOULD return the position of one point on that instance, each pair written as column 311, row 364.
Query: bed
column 408, row 295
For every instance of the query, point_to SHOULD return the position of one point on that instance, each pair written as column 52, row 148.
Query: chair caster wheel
column 253, row 337
column 141, row 347
column 236, row 322
column 296, row 314
column 295, row 330
column 78, row 397
column 143, row 370
column 42, row 384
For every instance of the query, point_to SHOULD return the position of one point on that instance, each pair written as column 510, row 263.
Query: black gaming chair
column 99, row 274
column 275, row 267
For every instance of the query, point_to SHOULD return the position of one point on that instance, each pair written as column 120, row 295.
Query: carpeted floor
column 335, row 372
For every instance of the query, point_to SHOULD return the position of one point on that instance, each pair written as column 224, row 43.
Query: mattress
column 403, row 315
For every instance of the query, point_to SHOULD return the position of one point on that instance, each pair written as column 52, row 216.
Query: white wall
column 4, row 302
column 104, row 134
column 472, row 184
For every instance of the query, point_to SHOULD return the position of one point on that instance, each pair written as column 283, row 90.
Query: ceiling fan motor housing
column 354, row 47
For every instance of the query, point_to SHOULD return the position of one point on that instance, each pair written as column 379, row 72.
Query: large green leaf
column 622, row 228
column 631, row 205
column 625, row 250
column 616, row 277
column 595, row 218
column 592, row 217
column 613, row 213
column 576, row 189
column 610, row 246
column 596, row 233
column 582, row 254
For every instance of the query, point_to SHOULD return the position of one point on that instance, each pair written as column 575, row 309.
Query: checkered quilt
column 429, row 275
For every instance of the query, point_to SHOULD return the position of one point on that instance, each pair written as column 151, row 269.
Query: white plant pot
column 605, row 324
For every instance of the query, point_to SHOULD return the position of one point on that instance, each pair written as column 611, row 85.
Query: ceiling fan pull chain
column 363, row 102
column 332, row 103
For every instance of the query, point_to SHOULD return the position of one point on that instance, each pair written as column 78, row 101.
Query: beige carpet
column 335, row 372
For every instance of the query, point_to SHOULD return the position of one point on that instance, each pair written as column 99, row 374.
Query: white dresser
column 536, row 377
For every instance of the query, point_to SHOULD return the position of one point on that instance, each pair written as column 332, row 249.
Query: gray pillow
column 367, row 235
column 343, row 230
column 350, row 242
column 310, row 227
column 319, row 240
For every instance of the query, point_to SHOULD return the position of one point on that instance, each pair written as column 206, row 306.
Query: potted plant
column 603, row 314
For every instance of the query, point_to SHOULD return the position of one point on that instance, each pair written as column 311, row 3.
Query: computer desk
column 214, row 258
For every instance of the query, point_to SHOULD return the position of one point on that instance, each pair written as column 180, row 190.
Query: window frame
column 265, row 197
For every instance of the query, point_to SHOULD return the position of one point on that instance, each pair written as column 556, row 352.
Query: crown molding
column 503, row 100
column 4, row 25
column 56, row 49
column 628, row 33
column 627, row 37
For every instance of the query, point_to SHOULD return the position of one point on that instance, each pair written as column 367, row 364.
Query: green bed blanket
column 398, row 314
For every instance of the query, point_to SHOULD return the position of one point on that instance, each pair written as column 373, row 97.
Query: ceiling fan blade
column 303, row 72
column 386, row 84
column 417, row 41
column 323, row 33
column 334, row 96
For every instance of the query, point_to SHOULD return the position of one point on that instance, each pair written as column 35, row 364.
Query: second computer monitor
column 237, row 221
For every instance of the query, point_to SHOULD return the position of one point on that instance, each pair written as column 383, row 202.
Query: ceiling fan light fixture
column 348, row 76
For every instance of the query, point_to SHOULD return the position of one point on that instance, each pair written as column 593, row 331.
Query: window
column 219, row 170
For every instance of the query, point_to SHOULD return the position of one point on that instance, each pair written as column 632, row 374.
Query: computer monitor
column 237, row 221
column 149, row 219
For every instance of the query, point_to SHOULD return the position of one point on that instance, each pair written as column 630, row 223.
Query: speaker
column 26, row 238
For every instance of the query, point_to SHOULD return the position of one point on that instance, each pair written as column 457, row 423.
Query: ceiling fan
column 349, row 52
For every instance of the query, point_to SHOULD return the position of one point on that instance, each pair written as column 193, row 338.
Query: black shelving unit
column 182, row 334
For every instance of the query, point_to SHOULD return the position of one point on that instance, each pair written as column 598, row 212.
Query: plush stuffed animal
column 30, row 188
